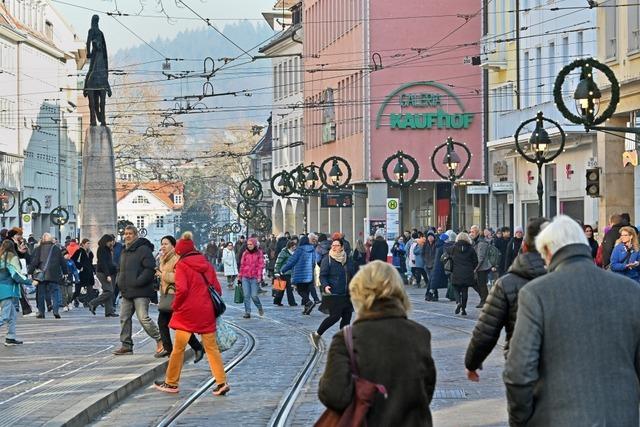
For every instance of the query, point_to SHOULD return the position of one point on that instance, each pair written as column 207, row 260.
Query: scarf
column 340, row 257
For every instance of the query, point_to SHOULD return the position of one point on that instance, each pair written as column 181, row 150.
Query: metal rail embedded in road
column 285, row 407
column 193, row 397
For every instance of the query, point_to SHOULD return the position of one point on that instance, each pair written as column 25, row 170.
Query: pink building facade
column 381, row 78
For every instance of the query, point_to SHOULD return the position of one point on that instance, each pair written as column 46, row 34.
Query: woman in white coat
column 229, row 264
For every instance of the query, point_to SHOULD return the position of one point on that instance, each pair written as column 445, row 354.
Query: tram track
column 175, row 413
column 285, row 407
column 441, row 315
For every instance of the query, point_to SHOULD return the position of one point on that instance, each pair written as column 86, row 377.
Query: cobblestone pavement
column 63, row 361
column 70, row 358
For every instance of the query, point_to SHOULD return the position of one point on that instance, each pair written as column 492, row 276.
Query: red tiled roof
column 161, row 189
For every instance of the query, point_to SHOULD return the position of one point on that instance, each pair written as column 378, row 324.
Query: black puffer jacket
column 465, row 261
column 137, row 269
column 501, row 308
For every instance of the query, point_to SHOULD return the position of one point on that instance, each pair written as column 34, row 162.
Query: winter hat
column 518, row 228
column 452, row 235
column 431, row 233
column 185, row 244
column 444, row 237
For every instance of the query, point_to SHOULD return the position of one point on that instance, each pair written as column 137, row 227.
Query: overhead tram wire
column 140, row 38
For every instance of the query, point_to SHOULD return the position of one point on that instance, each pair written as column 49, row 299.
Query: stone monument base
column 98, row 195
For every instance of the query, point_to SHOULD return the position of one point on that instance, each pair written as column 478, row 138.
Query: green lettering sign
column 436, row 117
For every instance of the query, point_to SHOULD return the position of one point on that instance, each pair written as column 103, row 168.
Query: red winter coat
column 192, row 306
column 251, row 265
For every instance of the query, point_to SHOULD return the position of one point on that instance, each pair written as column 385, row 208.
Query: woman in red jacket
column 193, row 314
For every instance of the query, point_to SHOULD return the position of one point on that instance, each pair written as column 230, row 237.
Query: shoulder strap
column 46, row 263
column 348, row 340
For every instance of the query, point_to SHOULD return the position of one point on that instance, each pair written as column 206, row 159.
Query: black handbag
column 219, row 307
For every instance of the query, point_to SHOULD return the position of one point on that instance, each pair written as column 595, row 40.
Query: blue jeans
column 250, row 288
column 48, row 290
column 8, row 316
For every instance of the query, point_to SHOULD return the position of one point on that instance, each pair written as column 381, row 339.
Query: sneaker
column 246, row 316
column 260, row 312
column 65, row 309
column 56, row 315
column 32, row 314
column 464, row 313
column 111, row 315
column 9, row 342
column 70, row 307
column 315, row 339
column 162, row 386
column 40, row 316
column 221, row 389
column 122, row 351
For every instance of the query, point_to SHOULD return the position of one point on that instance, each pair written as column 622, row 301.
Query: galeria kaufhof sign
column 422, row 106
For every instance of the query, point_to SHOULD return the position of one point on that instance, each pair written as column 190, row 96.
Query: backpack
column 494, row 255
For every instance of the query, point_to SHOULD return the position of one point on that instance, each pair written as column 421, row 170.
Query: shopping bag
column 238, row 296
column 279, row 284
column 226, row 337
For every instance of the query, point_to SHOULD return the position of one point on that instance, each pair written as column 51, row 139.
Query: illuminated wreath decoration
column 326, row 180
column 30, row 201
column 59, row 216
column 406, row 182
column 579, row 63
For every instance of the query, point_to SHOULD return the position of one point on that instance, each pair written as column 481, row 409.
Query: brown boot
column 123, row 351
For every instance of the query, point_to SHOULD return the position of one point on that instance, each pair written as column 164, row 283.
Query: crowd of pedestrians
column 554, row 284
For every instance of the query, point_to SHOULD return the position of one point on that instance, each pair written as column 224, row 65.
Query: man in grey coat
column 587, row 372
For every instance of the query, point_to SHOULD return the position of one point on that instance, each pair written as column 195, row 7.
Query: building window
column 525, row 81
column 611, row 29
column 266, row 171
column 539, row 83
column 552, row 67
column 633, row 15
column 580, row 44
column 140, row 222
column 140, row 200
column 178, row 199
column 160, row 221
column 48, row 30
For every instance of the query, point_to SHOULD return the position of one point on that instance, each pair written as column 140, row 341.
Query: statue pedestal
column 98, row 196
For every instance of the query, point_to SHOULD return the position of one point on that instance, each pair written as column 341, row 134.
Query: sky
column 219, row 12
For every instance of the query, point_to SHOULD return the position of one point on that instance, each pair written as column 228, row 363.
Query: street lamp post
column 402, row 178
column 452, row 161
column 587, row 97
column 539, row 143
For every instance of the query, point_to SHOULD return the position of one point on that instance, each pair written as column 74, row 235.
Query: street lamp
column 452, row 162
column 337, row 179
column 587, row 97
column 402, row 177
column 539, row 154
column 311, row 179
column 7, row 201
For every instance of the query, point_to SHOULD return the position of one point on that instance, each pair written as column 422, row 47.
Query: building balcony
column 492, row 55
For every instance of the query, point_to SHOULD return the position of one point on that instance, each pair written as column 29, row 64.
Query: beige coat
column 167, row 272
